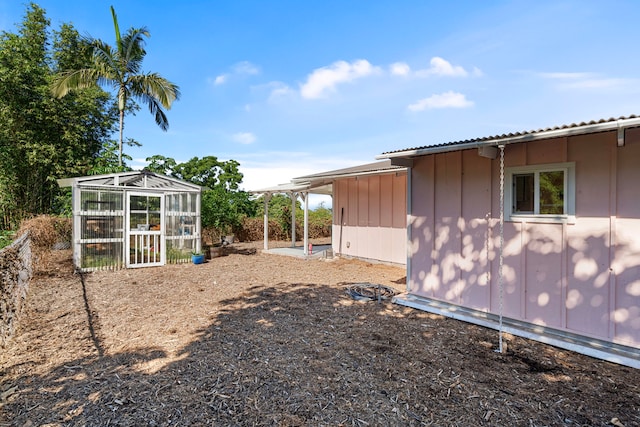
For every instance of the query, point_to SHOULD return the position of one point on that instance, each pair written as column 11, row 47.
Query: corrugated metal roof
column 573, row 128
column 369, row 168
column 322, row 183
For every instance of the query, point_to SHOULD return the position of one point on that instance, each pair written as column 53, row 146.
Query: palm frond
column 155, row 86
column 133, row 51
column 155, row 108
column 116, row 28
column 69, row 81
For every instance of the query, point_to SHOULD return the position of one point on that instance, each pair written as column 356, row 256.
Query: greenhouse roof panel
column 133, row 179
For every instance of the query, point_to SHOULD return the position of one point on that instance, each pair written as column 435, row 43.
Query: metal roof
column 384, row 166
column 131, row 180
column 592, row 126
column 295, row 188
column 322, row 183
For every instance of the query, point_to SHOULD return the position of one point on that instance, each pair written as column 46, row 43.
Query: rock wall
column 15, row 273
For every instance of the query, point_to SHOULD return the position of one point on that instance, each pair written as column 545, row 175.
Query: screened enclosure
column 133, row 219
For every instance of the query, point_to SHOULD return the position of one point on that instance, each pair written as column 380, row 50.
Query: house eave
column 619, row 125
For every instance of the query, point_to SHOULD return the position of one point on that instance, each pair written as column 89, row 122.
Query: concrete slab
column 318, row 251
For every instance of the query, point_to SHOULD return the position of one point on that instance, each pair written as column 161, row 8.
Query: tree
column 120, row 69
column 161, row 164
column 223, row 204
column 43, row 138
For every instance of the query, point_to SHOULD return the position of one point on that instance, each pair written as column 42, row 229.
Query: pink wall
column 374, row 217
column 582, row 277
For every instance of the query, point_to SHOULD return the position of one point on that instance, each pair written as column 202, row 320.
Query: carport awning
column 304, row 187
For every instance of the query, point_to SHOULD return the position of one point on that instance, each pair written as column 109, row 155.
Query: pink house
column 369, row 210
column 540, row 229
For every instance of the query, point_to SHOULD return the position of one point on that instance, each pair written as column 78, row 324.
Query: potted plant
column 197, row 257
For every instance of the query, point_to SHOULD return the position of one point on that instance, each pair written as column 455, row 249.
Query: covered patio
column 312, row 252
column 294, row 190
column 368, row 205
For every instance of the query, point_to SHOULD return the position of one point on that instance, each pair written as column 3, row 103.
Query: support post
column 294, row 197
column 305, row 198
column 266, row 198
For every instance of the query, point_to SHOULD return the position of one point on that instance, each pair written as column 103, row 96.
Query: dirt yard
column 252, row 339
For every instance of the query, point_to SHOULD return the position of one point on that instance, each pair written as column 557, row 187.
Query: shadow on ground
column 307, row 354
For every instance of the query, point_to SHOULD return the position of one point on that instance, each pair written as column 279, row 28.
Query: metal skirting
column 593, row 347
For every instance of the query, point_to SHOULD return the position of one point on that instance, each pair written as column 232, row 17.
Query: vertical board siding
column 352, row 203
column 476, row 210
column 399, row 201
column 626, row 228
column 626, row 267
column 445, row 274
column 581, row 276
column 543, row 275
column 374, row 201
column 363, row 202
column 386, row 201
column 587, row 301
column 422, row 226
column 375, row 217
column 513, row 271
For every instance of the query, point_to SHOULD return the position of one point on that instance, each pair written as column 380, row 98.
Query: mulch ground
column 253, row 339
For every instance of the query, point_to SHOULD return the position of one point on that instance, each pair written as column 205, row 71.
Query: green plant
column 6, row 237
column 43, row 138
column 120, row 68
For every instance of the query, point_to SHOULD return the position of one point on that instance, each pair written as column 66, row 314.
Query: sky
column 291, row 88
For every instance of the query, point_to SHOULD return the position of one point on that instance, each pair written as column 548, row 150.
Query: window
column 544, row 193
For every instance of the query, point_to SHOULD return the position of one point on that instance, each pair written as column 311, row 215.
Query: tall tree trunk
column 120, row 143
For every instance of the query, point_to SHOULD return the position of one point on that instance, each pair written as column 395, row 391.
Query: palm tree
column 119, row 68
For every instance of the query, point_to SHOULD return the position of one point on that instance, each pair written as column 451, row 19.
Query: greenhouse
column 133, row 219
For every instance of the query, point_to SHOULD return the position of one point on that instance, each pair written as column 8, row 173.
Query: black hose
column 370, row 292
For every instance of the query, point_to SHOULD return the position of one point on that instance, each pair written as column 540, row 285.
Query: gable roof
column 131, row 180
column 593, row 126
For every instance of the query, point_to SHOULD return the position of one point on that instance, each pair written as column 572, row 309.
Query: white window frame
column 569, row 216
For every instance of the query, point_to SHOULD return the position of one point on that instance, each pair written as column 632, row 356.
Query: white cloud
column 244, row 137
column 325, row 79
column 439, row 67
column 400, row 69
column 444, row 100
column 442, row 67
column 246, row 68
column 278, row 89
column 243, row 68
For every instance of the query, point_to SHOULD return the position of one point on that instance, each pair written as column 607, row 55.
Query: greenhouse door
column 145, row 230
